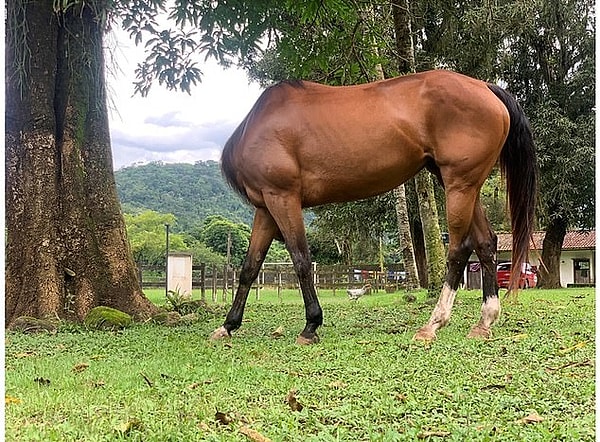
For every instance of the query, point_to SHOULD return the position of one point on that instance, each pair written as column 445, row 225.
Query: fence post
column 203, row 282
column 225, row 278
column 214, row 283
column 279, row 283
column 233, row 285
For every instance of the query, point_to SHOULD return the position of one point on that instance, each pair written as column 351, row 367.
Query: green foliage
column 366, row 380
column 190, row 198
column 175, row 298
column 493, row 199
column 191, row 192
column 354, row 229
column 220, row 234
column 146, row 232
column 549, row 63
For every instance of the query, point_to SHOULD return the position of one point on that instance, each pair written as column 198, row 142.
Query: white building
column 577, row 258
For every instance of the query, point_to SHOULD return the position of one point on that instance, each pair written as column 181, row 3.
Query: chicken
column 354, row 294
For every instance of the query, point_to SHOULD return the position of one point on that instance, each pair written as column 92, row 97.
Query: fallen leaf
column 570, row 364
column 337, row 385
column 518, row 337
column 99, row 383
column 493, row 387
column 223, row 418
column 80, row 367
column 147, row 379
column 11, row 400
column 446, row 394
column 127, row 427
column 42, row 381
column 436, row 433
column 25, row 354
column 291, row 400
column 279, row 332
column 253, row 435
column 574, row 347
column 204, row 426
column 531, row 418
column 193, row 385
column 400, row 397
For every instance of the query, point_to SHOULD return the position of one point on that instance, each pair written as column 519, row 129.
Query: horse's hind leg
column 459, row 207
column 264, row 230
column 287, row 212
column 485, row 247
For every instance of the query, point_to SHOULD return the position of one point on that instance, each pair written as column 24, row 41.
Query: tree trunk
column 434, row 248
column 549, row 270
column 403, row 33
column 405, row 238
column 419, row 246
column 66, row 245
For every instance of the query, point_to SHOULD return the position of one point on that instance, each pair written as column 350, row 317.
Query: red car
column 528, row 275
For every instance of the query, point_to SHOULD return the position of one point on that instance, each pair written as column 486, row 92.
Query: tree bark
column 403, row 32
column 66, row 245
column 434, row 248
column 549, row 270
column 405, row 239
column 416, row 229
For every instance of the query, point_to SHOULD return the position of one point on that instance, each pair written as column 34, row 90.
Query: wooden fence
column 219, row 282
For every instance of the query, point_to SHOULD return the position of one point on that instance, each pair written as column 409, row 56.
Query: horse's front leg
column 264, row 230
column 287, row 212
column 312, row 308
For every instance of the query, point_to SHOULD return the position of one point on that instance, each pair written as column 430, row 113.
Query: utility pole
column 167, row 262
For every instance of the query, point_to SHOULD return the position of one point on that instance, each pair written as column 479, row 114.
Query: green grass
column 365, row 381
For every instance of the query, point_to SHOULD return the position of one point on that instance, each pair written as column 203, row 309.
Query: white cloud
column 173, row 126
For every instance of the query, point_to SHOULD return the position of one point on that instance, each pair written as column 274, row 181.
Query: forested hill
column 191, row 192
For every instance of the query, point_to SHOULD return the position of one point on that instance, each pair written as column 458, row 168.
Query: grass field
column 365, row 381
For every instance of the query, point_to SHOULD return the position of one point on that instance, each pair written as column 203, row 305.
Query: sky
column 172, row 126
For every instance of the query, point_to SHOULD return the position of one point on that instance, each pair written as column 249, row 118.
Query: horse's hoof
column 424, row 334
column 480, row 332
column 302, row 340
column 220, row 333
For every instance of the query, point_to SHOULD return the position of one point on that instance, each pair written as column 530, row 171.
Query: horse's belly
column 363, row 178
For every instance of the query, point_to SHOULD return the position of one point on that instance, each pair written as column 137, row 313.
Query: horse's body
column 305, row 144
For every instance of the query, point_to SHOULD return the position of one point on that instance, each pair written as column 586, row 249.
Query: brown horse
column 305, row 144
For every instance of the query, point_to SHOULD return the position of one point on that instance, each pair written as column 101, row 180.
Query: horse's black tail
column 519, row 165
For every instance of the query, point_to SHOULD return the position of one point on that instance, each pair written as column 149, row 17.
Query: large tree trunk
column 66, row 245
column 405, row 239
column 434, row 247
column 549, row 270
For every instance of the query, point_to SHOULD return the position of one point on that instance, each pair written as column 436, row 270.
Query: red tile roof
column 574, row 240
